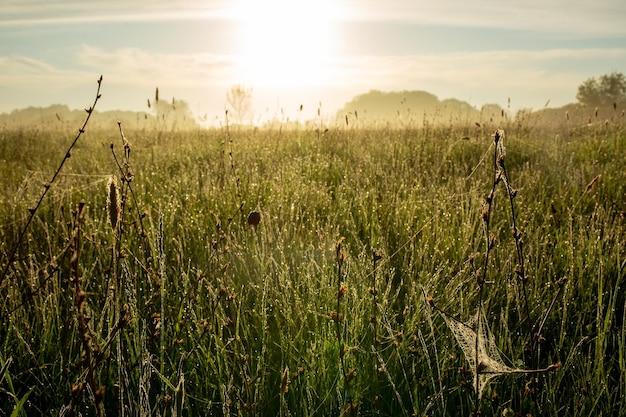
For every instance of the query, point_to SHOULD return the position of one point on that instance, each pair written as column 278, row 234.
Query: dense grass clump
column 186, row 304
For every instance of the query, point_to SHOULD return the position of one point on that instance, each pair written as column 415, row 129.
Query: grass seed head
column 113, row 202
column 592, row 183
column 284, row 381
column 342, row 290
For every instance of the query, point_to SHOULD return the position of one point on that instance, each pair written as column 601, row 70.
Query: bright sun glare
column 285, row 43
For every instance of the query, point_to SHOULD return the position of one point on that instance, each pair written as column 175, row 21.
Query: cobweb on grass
column 490, row 363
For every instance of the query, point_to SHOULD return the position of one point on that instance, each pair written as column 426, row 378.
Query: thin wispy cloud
column 37, row 12
column 602, row 17
column 20, row 66
column 137, row 66
column 578, row 18
column 23, row 71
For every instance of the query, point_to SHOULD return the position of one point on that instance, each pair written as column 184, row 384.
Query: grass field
column 343, row 300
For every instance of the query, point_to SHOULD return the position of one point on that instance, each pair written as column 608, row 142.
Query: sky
column 314, row 53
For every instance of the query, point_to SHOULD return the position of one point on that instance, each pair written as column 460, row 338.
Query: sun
column 285, row 43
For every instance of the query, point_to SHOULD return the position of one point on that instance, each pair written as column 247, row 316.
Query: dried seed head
column 342, row 290
column 340, row 258
column 99, row 395
column 484, row 213
column 554, row 367
column 499, row 141
column 113, row 202
column 336, row 317
column 592, row 183
column 77, row 389
column 254, row 218
column 284, row 381
column 338, row 245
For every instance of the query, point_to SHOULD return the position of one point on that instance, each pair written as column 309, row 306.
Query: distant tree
column 609, row 89
column 491, row 111
column 239, row 100
column 415, row 105
column 174, row 114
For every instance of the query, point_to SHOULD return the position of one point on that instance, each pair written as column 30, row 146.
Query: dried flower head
column 593, row 182
column 113, row 202
column 284, row 381
column 343, row 289
column 254, row 218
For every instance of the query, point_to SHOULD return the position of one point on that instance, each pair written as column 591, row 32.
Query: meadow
column 379, row 255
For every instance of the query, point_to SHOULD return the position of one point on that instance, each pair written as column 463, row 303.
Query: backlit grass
column 202, row 313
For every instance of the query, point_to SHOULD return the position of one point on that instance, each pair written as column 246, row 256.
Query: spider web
column 490, row 363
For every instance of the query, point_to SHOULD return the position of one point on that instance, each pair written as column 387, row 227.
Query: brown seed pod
column 254, row 218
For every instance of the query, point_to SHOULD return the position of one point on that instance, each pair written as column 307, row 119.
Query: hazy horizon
column 304, row 53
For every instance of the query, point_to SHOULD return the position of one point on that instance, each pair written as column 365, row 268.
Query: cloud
column 33, row 73
column 202, row 79
column 141, row 67
column 575, row 17
column 470, row 68
column 37, row 12
column 578, row 18
column 23, row 65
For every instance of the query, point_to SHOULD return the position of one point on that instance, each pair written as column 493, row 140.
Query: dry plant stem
column 520, row 270
column 119, row 258
column 489, row 241
column 47, row 186
column 481, row 275
column 501, row 176
column 127, row 175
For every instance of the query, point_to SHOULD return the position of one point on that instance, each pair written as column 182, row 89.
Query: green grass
column 221, row 313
